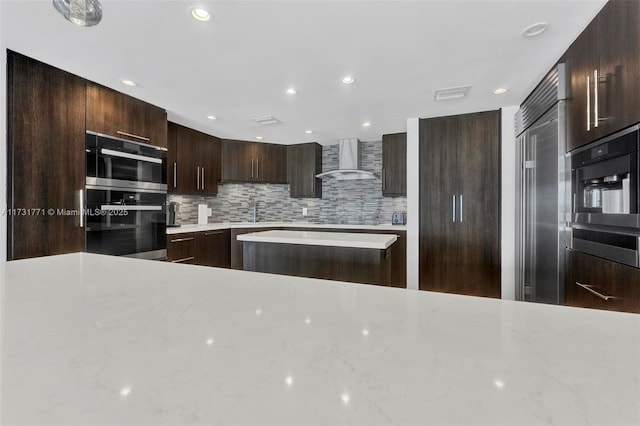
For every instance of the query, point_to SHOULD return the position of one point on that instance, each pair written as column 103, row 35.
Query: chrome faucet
column 253, row 205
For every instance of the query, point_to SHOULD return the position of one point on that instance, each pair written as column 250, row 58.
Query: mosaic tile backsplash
column 344, row 202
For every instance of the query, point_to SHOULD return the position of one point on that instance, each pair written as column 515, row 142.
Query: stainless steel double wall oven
column 126, row 195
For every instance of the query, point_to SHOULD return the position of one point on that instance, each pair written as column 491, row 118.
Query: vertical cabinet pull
column 252, row 168
column 175, row 174
column 588, row 104
column 197, row 177
column 454, row 209
column 384, row 182
column 596, row 82
column 258, row 167
column 203, row 178
column 460, row 207
column 81, row 201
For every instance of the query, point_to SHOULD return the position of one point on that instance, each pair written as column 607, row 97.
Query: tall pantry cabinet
column 460, row 204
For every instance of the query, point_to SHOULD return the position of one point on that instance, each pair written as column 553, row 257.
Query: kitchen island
column 90, row 339
column 341, row 256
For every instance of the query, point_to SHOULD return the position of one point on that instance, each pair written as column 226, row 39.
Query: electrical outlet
column 305, row 212
column 209, row 212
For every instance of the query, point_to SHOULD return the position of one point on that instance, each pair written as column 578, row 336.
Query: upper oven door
column 117, row 162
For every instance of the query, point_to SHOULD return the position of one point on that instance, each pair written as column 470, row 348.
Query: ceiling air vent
column 451, row 93
column 267, row 120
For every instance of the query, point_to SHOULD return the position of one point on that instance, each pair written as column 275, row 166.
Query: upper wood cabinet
column 193, row 161
column 46, row 157
column 394, row 165
column 253, row 162
column 304, row 162
column 592, row 282
column 603, row 66
column 116, row 114
column 460, row 204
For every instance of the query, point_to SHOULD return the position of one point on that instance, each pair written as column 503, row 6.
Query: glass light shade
column 85, row 13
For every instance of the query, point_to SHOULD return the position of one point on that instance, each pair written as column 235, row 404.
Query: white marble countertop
column 90, row 339
column 318, row 238
column 230, row 225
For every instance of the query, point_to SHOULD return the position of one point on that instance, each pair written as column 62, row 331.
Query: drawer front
column 181, row 248
column 593, row 282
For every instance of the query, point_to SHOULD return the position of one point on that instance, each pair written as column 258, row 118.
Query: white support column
column 413, row 203
column 508, row 214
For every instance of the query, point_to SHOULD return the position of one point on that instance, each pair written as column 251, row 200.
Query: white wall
column 508, row 203
column 508, row 225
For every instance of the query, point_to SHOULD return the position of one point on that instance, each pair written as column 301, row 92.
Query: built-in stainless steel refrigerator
column 543, row 185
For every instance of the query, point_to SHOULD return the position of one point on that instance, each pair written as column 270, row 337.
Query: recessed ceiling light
column 366, row 124
column 128, row 82
column 535, row 29
column 308, row 131
column 259, row 138
column 200, row 14
column 500, row 91
column 291, row 91
column 348, row 79
column 212, row 117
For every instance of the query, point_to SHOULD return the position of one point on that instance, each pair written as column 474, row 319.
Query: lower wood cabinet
column 206, row 248
column 213, row 248
column 593, row 282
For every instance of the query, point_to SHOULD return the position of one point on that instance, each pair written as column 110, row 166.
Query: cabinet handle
column 182, row 239
column 595, row 98
column 588, row 104
column 257, row 167
column 590, row 290
column 130, row 135
column 252, row 168
column 81, row 200
column 186, row 259
column 203, row 178
column 454, row 209
column 175, row 174
column 213, row 233
column 460, row 207
column 198, row 177
column 384, row 182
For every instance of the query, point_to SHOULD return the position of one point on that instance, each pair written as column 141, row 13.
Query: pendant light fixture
column 85, row 13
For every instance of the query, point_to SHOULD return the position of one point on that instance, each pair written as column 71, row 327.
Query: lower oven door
column 123, row 222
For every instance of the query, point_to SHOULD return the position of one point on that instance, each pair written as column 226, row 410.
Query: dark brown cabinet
column 116, row 114
column 46, row 174
column 460, row 204
column 193, row 161
column 253, row 162
column 592, row 282
column 394, row 165
column 181, row 248
column 304, row 162
column 206, row 248
column 603, row 66
column 213, row 248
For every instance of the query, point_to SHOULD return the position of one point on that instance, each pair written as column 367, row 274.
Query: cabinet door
column 439, row 269
column 619, row 86
column 592, row 282
column 394, row 165
column 116, row 114
column 238, row 163
column 186, row 158
column 582, row 60
column 478, row 204
column 304, row 162
column 209, row 148
column 213, row 248
column 271, row 163
column 181, row 248
column 46, row 157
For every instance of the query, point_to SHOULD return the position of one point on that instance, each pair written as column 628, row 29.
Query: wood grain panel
column 394, row 165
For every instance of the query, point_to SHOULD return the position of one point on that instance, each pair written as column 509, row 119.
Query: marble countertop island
column 318, row 238
column 243, row 225
column 91, row 339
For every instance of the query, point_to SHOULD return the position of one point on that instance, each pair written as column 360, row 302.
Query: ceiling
column 238, row 65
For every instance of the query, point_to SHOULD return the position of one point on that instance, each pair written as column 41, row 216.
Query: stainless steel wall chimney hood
column 348, row 163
